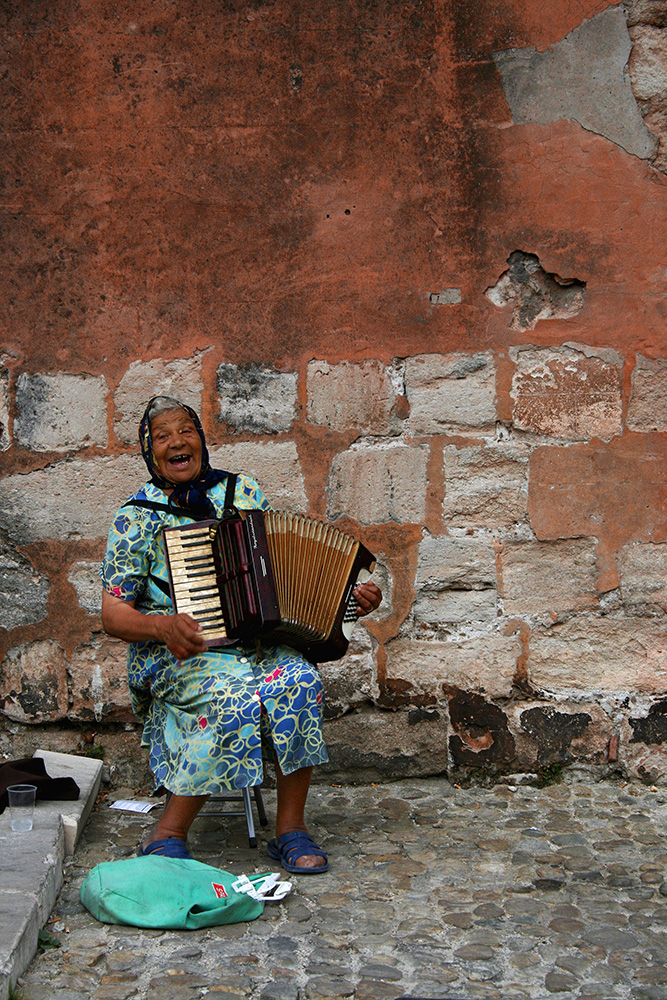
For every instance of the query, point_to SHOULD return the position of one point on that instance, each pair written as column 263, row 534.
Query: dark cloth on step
column 32, row 771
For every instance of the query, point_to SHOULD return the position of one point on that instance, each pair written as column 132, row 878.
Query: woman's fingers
column 182, row 636
column 368, row 597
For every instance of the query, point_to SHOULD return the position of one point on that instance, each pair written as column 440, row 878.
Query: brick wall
column 409, row 263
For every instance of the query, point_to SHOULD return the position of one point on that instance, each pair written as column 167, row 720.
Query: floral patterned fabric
column 204, row 717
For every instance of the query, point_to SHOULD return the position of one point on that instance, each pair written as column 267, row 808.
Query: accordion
column 268, row 574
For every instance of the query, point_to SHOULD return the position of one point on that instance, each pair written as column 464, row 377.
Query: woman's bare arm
column 180, row 633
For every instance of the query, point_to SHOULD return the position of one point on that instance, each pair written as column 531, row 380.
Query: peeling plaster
column 534, row 293
column 584, row 77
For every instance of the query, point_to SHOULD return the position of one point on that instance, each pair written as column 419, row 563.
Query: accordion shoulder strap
column 153, row 505
column 229, row 508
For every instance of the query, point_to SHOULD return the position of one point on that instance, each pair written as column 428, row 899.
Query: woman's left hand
column 368, row 597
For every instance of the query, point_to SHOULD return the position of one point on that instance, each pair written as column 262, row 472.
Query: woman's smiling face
column 177, row 447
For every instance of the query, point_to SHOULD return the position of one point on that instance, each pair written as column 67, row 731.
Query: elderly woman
column 206, row 711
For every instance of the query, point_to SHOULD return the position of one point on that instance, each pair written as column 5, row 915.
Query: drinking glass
column 21, row 806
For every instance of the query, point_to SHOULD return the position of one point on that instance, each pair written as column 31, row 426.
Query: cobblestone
column 509, row 893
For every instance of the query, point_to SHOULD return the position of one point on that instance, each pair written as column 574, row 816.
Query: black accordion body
column 268, row 574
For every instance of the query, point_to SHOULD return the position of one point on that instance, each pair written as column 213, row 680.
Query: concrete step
column 31, row 864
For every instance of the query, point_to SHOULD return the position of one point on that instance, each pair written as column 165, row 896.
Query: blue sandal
column 289, row 846
column 172, row 847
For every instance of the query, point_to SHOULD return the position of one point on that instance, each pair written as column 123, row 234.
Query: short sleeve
column 248, row 494
column 125, row 565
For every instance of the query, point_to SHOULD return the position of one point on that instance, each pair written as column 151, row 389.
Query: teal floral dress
column 205, row 718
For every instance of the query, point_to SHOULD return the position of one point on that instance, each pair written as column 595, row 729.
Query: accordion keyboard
column 194, row 581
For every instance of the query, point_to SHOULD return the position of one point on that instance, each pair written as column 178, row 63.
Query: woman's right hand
column 181, row 635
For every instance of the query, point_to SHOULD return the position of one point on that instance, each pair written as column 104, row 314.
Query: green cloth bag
column 170, row 893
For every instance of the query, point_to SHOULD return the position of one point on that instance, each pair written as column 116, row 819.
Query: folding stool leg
column 247, row 805
column 259, row 801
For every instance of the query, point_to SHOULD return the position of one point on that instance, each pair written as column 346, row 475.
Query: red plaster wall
column 282, row 181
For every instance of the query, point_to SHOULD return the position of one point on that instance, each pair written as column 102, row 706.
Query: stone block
column 566, row 393
column 480, row 734
column 539, row 577
column 256, row 399
column 484, row 662
column 455, row 607
column 485, row 487
column 181, row 379
column 33, row 682
column 5, row 437
column 274, row 465
column 98, row 681
column 643, row 741
column 68, row 500
column 568, row 732
column 455, row 582
column 647, row 409
column 642, row 570
column 23, row 591
column 346, row 395
column 351, row 681
column 589, row 654
column 582, row 77
column 61, row 412
column 648, row 61
column 386, row 745
column 32, row 866
column 375, row 483
column 19, row 927
column 450, row 392
column 613, row 492
column 455, row 562
column 85, row 578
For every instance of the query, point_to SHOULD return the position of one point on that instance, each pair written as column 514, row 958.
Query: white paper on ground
column 133, row 805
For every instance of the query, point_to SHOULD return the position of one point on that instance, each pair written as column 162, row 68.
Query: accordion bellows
column 270, row 574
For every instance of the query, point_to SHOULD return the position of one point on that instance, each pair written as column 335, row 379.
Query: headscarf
column 190, row 496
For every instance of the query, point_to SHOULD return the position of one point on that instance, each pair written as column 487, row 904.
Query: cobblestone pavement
column 434, row 891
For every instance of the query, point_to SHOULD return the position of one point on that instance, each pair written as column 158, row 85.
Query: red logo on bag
column 219, row 890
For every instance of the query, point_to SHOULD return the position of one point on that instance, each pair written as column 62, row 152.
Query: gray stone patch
column 376, row 483
column 274, row 465
column 642, row 570
column 85, row 578
column 455, row 583
column 540, row 577
column 485, row 487
column 448, row 392
column 647, row 409
column 584, row 78
column 23, row 591
column 362, row 396
column 534, row 293
column 5, row 439
column 256, row 399
column 447, row 297
column 181, row 379
column 71, row 499
column 60, row 412
column 351, row 681
column 455, row 607
column 462, row 563
column 33, row 682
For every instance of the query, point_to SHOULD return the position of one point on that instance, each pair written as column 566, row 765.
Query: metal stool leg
column 247, row 805
column 259, row 802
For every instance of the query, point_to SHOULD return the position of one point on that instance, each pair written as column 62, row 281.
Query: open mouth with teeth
column 179, row 461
